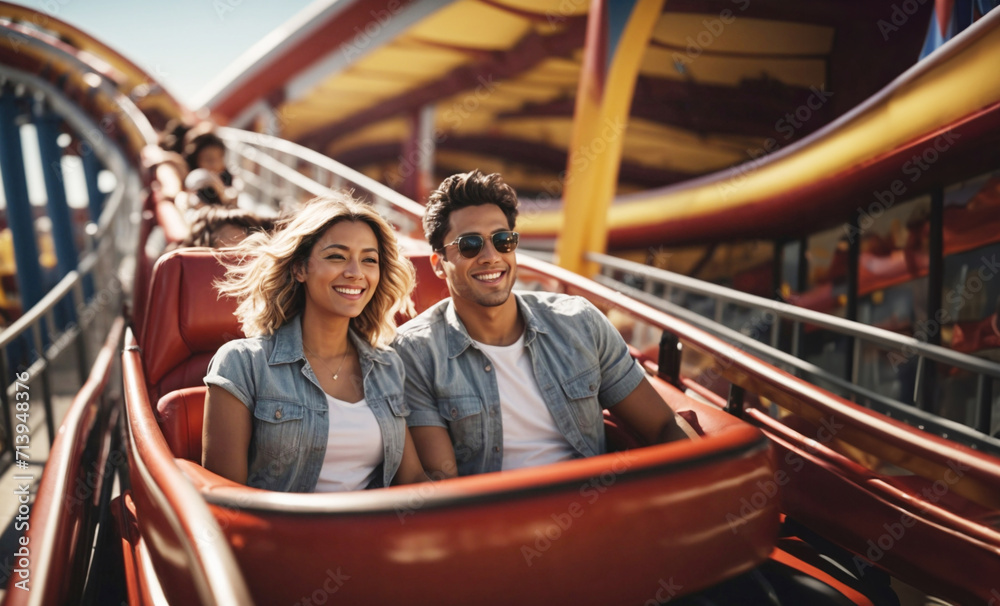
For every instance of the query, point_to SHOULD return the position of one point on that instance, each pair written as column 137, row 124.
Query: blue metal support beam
column 47, row 125
column 92, row 168
column 19, row 214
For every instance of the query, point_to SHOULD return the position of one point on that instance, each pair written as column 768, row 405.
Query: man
column 499, row 381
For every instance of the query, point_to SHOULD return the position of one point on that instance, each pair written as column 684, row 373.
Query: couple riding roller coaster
column 751, row 512
column 638, row 525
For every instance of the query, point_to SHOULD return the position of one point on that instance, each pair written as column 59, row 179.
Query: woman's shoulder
column 247, row 346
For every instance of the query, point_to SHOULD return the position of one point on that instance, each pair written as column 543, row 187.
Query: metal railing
column 38, row 338
column 47, row 340
column 661, row 289
column 277, row 173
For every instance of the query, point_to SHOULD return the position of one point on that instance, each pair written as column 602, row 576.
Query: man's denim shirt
column 291, row 421
column 579, row 360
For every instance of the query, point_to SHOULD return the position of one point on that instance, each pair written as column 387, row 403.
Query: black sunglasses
column 470, row 246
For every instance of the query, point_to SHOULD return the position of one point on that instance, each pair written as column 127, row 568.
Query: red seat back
column 429, row 289
column 180, row 415
column 185, row 321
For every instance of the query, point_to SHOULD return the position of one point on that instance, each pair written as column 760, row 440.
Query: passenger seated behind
column 312, row 400
column 166, row 162
column 205, row 149
column 496, row 381
column 202, row 188
column 221, row 227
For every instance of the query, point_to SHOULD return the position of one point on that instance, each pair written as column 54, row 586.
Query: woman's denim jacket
column 291, row 421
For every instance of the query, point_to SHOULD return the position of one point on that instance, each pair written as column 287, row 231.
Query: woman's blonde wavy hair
column 261, row 274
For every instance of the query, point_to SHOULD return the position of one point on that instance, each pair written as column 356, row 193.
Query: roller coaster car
column 605, row 530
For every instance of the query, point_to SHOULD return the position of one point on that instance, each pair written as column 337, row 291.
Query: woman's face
column 212, row 159
column 342, row 271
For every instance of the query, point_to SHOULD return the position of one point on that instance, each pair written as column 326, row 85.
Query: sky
column 183, row 44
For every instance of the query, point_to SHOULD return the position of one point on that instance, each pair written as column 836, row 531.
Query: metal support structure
column 91, row 170
column 777, row 281
column 935, row 272
column 19, row 213
column 777, row 268
column 409, row 160
column 669, row 361
column 83, row 362
column 851, row 313
column 734, row 404
column 43, row 375
column 802, row 267
column 984, row 399
column 935, row 292
column 47, row 125
column 801, row 285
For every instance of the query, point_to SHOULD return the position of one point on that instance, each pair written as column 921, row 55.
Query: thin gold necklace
column 335, row 375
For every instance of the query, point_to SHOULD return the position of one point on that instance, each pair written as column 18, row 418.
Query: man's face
column 487, row 278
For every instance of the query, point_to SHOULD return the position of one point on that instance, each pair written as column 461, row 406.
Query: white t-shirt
column 353, row 447
column 530, row 435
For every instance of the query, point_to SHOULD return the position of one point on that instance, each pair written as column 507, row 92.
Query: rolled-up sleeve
column 418, row 390
column 620, row 373
column 230, row 369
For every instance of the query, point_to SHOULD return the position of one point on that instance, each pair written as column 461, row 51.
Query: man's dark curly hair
column 460, row 191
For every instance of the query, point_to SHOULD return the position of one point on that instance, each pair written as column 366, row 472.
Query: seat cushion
column 186, row 321
column 180, row 414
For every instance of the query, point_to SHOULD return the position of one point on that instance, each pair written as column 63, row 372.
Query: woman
column 312, row 400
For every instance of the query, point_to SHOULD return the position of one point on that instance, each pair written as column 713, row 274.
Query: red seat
column 429, row 289
column 185, row 322
column 180, row 414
